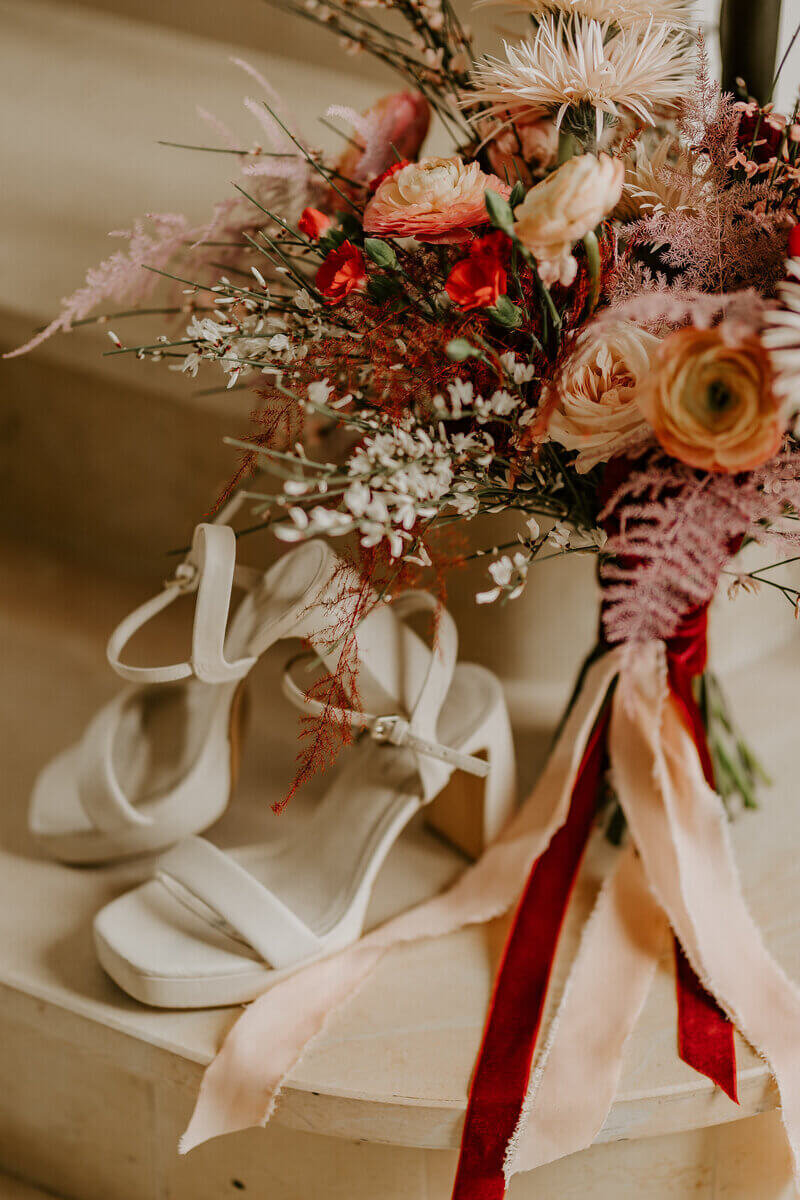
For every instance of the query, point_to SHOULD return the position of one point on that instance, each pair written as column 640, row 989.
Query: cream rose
column 564, row 207
column 434, row 200
column 712, row 405
column 596, row 412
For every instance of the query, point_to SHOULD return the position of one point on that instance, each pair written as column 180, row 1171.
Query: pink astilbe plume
column 122, row 276
column 672, row 531
column 659, row 308
column 729, row 231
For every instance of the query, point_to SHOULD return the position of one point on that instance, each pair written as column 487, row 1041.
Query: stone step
column 95, row 1089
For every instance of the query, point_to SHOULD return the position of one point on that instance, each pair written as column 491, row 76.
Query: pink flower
column 395, row 125
column 434, row 200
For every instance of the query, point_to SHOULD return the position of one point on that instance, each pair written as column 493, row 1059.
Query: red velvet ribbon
column 501, row 1075
column 500, row 1079
column 705, row 1035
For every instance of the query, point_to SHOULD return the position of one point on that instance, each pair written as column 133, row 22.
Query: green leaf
column 380, row 288
column 499, row 211
column 350, row 226
column 517, row 194
column 460, row 349
column 380, row 252
column 332, row 240
column 506, row 313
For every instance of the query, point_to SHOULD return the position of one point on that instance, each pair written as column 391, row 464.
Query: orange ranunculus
column 711, row 404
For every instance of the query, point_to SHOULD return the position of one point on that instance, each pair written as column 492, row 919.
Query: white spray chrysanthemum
column 781, row 336
column 581, row 63
column 623, row 13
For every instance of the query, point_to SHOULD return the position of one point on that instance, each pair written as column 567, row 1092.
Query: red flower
column 497, row 244
column 478, row 281
column 794, row 242
column 341, row 273
column 313, row 223
column 375, row 183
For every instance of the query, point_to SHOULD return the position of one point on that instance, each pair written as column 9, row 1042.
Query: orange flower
column 434, row 200
column 342, row 272
column 712, row 405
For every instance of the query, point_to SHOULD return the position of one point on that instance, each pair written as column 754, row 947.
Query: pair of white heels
column 157, row 765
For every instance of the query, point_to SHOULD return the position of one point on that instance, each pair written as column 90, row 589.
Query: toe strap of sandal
column 248, row 908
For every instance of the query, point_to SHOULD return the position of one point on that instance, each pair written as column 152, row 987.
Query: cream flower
column 659, row 181
column 434, row 200
column 564, row 207
column 596, row 411
column 621, row 12
column 712, row 405
column 582, row 62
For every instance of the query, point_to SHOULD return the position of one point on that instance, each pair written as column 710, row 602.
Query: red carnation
column 478, row 280
column 341, row 273
column 375, row 183
column 794, row 242
column 313, row 223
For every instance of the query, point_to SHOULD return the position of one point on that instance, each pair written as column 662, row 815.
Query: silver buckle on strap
column 389, row 729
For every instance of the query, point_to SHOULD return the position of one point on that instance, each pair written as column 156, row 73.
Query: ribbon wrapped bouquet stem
column 635, row 715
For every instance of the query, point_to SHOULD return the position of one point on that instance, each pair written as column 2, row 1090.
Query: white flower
column 304, row 302
column 501, row 569
column 509, row 575
column 190, row 364
column 559, row 535
column 620, row 12
column 532, row 525
column 563, row 208
column 596, row 412
column 520, row 372
column 580, row 61
column 279, row 343
column 781, row 337
column 319, row 391
column 356, row 498
column 501, row 403
column 460, row 395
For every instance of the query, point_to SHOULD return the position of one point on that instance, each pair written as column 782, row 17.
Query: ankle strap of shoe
column 210, row 571
column 392, row 729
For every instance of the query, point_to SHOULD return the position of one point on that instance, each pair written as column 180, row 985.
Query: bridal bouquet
column 584, row 309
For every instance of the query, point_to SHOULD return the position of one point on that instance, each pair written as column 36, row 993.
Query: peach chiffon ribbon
column 678, row 871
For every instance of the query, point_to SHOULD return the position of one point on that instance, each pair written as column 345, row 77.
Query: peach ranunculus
column 712, row 405
column 596, row 412
column 434, row 200
column 563, row 208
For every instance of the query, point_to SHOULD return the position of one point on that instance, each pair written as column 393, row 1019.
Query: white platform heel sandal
column 158, row 763
column 216, row 928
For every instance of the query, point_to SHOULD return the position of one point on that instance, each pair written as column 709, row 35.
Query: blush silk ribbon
column 677, row 872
